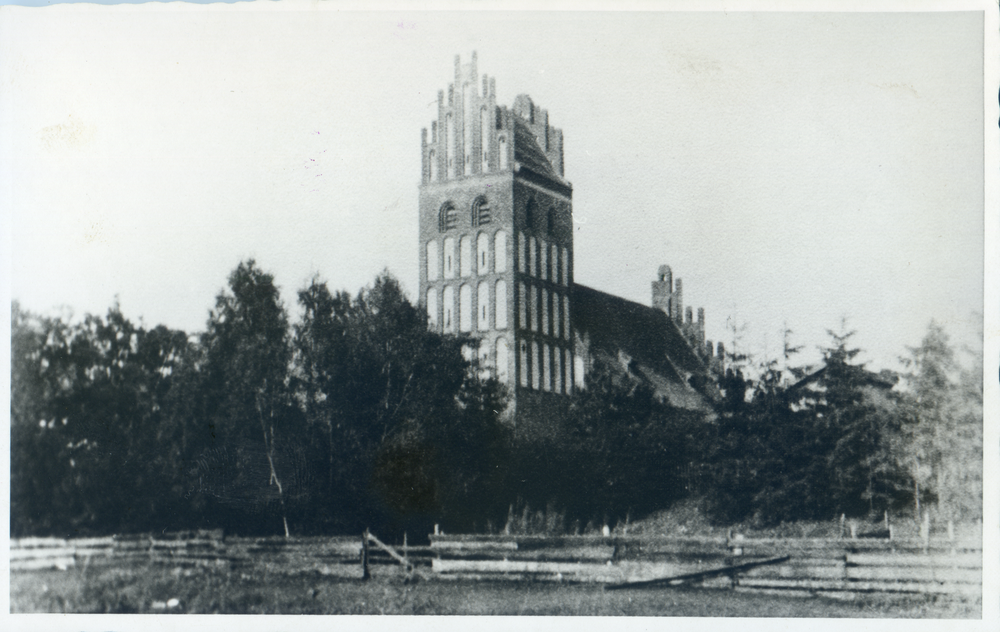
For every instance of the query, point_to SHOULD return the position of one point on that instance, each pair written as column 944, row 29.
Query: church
column 496, row 263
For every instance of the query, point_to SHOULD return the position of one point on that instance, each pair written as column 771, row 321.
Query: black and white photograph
column 470, row 309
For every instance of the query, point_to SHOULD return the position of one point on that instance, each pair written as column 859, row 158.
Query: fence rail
column 948, row 567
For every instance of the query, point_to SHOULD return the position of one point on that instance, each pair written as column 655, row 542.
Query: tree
column 87, row 424
column 623, row 452
column 408, row 426
column 859, row 413
column 943, row 434
column 247, row 362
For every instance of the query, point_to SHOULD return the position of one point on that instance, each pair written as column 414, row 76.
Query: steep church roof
column 645, row 338
column 528, row 153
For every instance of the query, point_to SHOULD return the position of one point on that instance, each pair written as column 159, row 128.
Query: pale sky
column 790, row 167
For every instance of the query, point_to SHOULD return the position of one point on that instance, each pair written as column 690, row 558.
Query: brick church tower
column 496, row 234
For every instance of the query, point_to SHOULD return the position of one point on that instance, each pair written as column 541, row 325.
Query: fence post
column 365, row 575
column 735, row 546
column 925, row 530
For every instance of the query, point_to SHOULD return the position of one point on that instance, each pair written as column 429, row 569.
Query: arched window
column 557, row 370
column 449, row 258
column 448, row 300
column 533, row 307
column 484, row 359
column 480, row 211
column 484, row 138
column 536, row 373
column 449, row 139
column 433, row 261
column 500, row 251
column 554, row 263
column 543, row 260
column 565, row 266
column 566, row 329
column 502, row 152
column 465, row 308
column 546, row 369
column 432, row 165
column 523, row 307
column 545, row 311
column 483, row 254
column 447, row 217
column 555, row 314
column 523, row 352
column 578, row 369
column 500, row 316
column 532, row 257
column 568, row 365
column 520, row 253
column 432, row 308
column 503, row 360
column 465, row 247
column 483, row 307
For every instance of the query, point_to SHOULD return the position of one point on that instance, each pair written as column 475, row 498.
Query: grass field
column 151, row 588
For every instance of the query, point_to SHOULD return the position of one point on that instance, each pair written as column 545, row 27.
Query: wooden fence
column 814, row 565
column 949, row 567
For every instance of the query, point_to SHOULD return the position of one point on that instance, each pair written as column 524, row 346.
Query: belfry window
column 480, row 211
column 432, row 165
column 502, row 152
column 447, row 217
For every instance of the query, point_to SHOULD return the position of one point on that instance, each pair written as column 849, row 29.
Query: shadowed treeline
column 356, row 416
